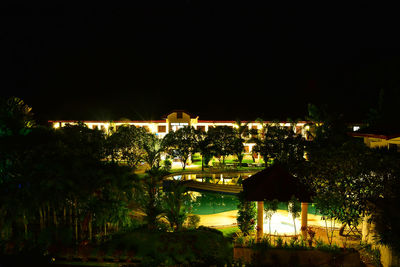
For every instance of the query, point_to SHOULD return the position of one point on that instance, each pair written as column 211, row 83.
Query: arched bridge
column 202, row 186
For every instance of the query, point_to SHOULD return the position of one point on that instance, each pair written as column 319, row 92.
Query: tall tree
column 58, row 178
column 126, row 145
column 153, row 147
column 281, row 144
column 15, row 117
column 222, row 141
column 182, row 143
column 205, row 148
column 343, row 172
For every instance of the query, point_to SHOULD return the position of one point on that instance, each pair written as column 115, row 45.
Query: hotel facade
column 178, row 119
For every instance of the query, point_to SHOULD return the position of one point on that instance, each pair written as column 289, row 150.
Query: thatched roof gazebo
column 276, row 183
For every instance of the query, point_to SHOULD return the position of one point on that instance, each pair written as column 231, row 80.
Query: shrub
column 209, row 229
column 203, row 246
column 167, row 165
column 193, row 221
column 247, row 214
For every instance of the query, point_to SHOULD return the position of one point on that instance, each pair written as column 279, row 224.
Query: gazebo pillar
column 260, row 219
column 304, row 211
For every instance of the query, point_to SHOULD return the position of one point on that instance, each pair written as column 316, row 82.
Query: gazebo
column 276, row 183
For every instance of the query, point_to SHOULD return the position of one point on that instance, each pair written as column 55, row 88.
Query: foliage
column 166, row 165
column 343, row 172
column 16, row 118
column 242, row 136
column 281, row 144
column 149, row 197
column 270, row 207
column 386, row 217
column 373, row 253
column 189, row 248
column 125, row 145
column 238, row 149
column 58, row 179
column 247, row 214
column 230, row 232
column 153, row 147
column 345, row 177
column 294, row 209
column 223, row 140
column 205, row 148
column 193, row 221
column 182, row 143
column 174, row 210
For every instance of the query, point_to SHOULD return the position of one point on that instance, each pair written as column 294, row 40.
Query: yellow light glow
column 56, row 125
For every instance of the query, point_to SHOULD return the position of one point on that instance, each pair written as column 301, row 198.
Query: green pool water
column 210, row 203
column 203, row 203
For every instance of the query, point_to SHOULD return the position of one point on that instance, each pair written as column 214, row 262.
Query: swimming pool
column 206, row 202
column 203, row 203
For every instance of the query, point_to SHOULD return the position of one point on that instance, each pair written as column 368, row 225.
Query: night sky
column 222, row 61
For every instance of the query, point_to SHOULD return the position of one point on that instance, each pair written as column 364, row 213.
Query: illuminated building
column 178, row 119
column 380, row 140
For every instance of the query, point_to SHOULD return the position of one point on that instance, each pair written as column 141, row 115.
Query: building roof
column 380, row 136
column 136, row 121
column 275, row 183
column 178, row 110
column 382, row 132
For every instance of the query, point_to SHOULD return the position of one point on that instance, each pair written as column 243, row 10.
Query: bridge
column 220, row 188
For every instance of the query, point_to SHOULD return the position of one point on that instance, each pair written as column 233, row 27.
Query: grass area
column 229, row 231
column 196, row 160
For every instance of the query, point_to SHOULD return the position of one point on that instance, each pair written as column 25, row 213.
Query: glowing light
column 281, row 224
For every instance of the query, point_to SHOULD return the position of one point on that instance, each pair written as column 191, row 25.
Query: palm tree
column 242, row 129
column 174, row 209
column 149, row 197
column 205, row 148
column 153, row 147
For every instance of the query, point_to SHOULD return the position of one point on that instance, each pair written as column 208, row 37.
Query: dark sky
column 222, row 61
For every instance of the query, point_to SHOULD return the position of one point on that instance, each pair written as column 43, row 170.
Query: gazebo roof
column 275, row 183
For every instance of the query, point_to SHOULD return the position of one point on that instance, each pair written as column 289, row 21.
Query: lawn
column 229, row 231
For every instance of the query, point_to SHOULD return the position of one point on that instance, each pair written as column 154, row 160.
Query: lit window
column 162, row 128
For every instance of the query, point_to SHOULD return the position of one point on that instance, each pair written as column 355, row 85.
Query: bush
column 247, row 214
column 209, row 229
column 203, row 246
column 193, row 221
column 167, row 165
